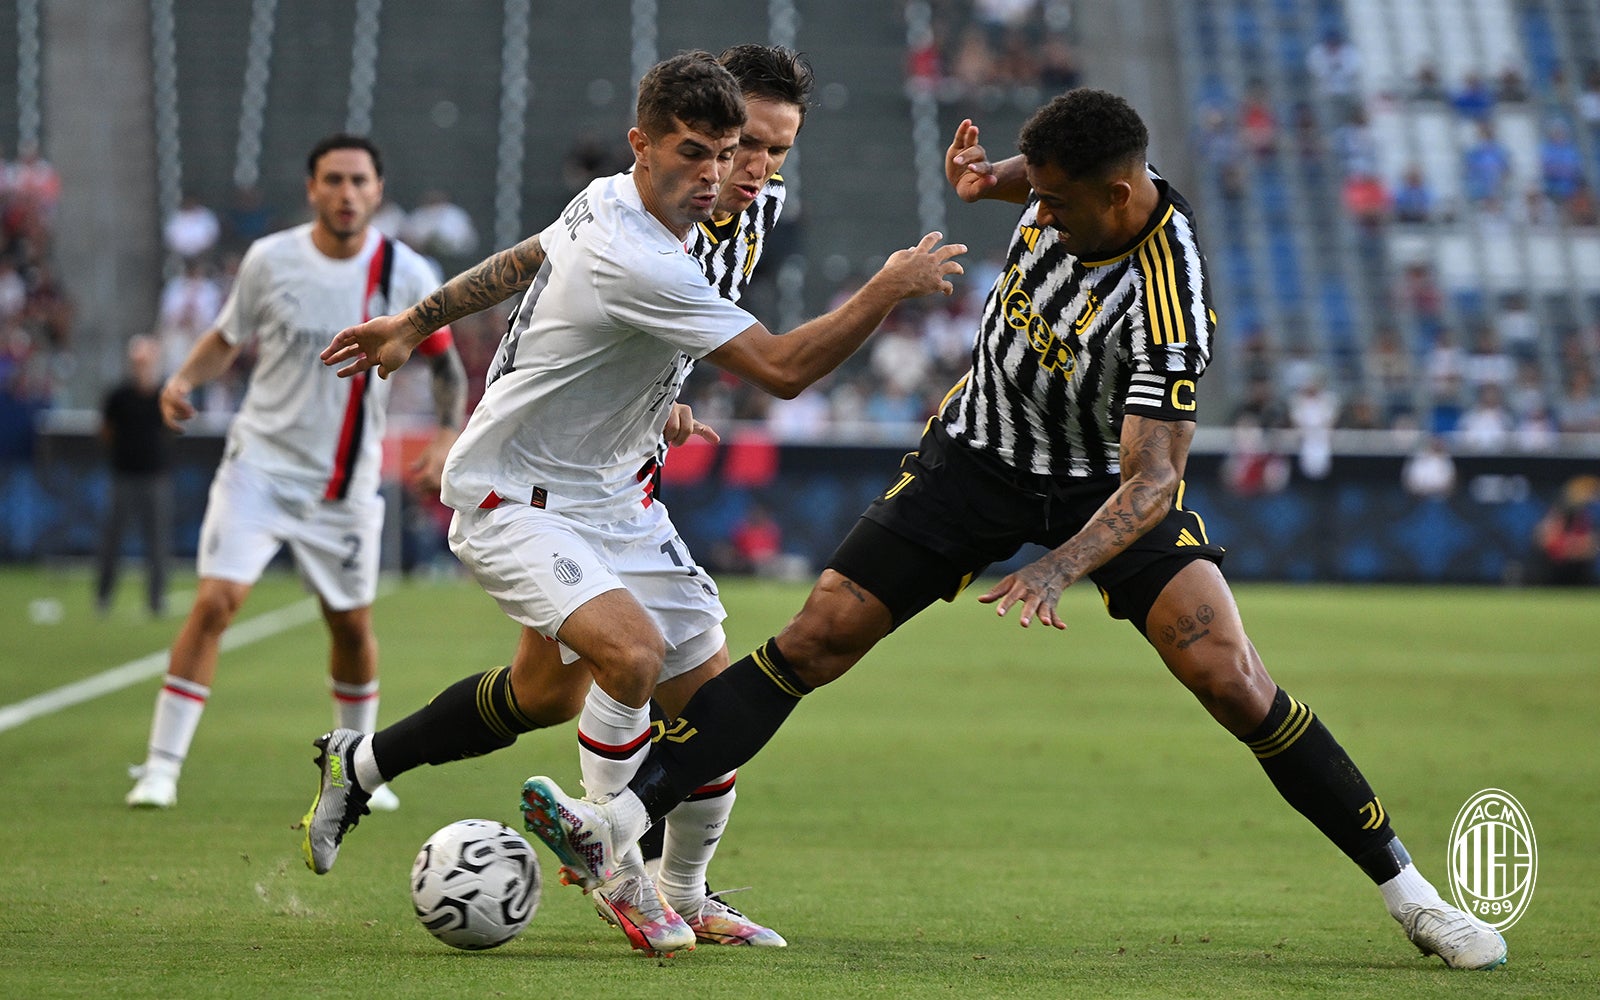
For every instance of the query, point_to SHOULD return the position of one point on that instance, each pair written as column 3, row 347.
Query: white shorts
column 540, row 566
column 251, row 515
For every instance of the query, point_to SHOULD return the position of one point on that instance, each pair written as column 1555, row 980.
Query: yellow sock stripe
column 767, row 667
column 1375, row 815
column 1298, row 721
column 486, row 709
column 528, row 724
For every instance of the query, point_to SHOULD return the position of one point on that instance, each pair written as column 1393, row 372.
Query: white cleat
column 715, row 922
column 154, row 789
column 1462, row 942
column 637, row 908
column 383, row 800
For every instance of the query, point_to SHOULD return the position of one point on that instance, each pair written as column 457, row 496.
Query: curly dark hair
column 343, row 140
column 691, row 88
column 775, row 72
column 1087, row 133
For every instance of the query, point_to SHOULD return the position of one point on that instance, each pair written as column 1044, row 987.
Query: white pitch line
column 146, row 667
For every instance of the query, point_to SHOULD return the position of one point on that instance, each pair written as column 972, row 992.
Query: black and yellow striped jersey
column 728, row 251
column 1067, row 346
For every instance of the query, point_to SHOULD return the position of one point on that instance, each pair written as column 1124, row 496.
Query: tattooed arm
column 1153, row 454
column 449, row 384
column 386, row 343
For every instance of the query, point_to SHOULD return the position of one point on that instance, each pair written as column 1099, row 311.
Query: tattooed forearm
column 449, row 388
column 490, row 282
column 1153, row 455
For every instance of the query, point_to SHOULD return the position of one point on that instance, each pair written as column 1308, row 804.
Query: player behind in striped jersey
column 1071, row 430
column 302, row 460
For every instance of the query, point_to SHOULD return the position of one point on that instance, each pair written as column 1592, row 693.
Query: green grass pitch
column 975, row 811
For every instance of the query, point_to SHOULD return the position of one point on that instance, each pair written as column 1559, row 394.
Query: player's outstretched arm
column 386, row 343
column 1153, row 454
column 974, row 176
column 785, row 365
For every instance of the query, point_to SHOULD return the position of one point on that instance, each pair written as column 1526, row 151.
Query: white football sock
column 613, row 740
column 355, row 706
column 367, row 774
column 1408, row 887
column 178, row 708
column 694, row 828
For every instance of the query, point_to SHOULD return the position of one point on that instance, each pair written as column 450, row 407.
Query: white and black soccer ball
column 475, row 884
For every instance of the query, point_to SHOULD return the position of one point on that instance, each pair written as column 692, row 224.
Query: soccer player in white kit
column 301, row 463
column 550, row 479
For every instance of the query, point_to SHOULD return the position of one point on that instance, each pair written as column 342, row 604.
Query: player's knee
column 1233, row 686
column 215, row 607
column 629, row 673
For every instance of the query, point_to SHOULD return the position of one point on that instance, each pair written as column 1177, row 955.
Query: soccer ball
column 475, row 884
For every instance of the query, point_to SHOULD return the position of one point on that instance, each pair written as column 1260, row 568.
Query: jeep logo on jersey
column 1494, row 858
column 1017, row 309
column 568, row 572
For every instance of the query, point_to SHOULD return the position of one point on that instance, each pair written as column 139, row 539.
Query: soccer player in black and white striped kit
column 1072, row 431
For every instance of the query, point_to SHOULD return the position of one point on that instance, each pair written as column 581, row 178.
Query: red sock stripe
column 181, row 693
column 353, row 698
column 616, row 751
column 712, row 791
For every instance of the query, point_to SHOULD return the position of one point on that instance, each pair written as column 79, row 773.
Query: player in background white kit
column 549, row 480
column 301, row 463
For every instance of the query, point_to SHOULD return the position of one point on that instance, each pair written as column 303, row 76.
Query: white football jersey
column 580, row 388
column 299, row 421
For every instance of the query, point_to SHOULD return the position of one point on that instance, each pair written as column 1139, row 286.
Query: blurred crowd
column 35, row 314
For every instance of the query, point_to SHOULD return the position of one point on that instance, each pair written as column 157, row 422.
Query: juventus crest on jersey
column 1067, row 346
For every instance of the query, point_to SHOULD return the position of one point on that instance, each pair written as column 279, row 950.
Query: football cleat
column 636, row 906
column 578, row 831
column 154, row 788
column 1462, row 942
column 718, row 923
column 340, row 802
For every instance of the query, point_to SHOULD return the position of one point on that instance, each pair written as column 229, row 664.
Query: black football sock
column 472, row 717
column 654, row 840
column 1315, row 775
column 727, row 722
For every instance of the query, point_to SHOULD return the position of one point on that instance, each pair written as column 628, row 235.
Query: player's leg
column 238, row 537
column 108, row 554
column 1195, row 625
column 158, row 541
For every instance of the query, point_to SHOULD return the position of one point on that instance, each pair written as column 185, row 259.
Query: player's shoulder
column 276, row 246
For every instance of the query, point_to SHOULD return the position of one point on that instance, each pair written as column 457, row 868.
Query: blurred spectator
column 1511, row 87
column 247, row 218
column 13, row 291
column 1475, row 100
column 389, row 219
column 807, row 417
column 1487, row 424
column 189, row 303
column 33, row 180
column 1429, row 471
column 1486, row 167
column 192, row 229
column 898, row 357
column 997, row 17
column 438, row 227
column 1487, row 364
column 1335, row 68
column 1578, row 408
column 1058, row 65
column 1426, row 86
column 1527, row 391
column 1581, row 208
column 1219, row 149
column 1313, row 411
column 48, row 311
column 1444, row 364
column 1366, row 201
column 1389, row 368
column 588, row 157
column 1566, row 538
column 1517, row 327
column 1261, row 406
column 1588, row 100
column 1355, row 145
column 1361, row 413
column 1423, row 300
column 973, row 67
column 138, row 444
column 1258, row 125
column 1253, row 466
column 924, row 66
column 1560, row 163
column 1536, row 430
column 1413, row 197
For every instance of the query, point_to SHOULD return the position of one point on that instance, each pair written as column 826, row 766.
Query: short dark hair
column 774, row 72
column 1087, row 133
column 691, row 88
column 343, row 140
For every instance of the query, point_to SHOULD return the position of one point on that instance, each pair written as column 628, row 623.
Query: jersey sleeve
column 237, row 320
column 669, row 298
column 1170, row 335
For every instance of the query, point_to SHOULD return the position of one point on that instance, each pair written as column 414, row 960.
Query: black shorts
column 953, row 511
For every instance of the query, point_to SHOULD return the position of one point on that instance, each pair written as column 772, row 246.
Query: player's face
column 344, row 192
column 769, row 131
column 1083, row 213
column 683, row 171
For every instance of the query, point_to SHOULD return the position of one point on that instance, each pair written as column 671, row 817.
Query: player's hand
column 966, row 164
column 384, row 343
column 427, row 470
column 1036, row 586
column 175, row 405
column 925, row 268
column 681, row 426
